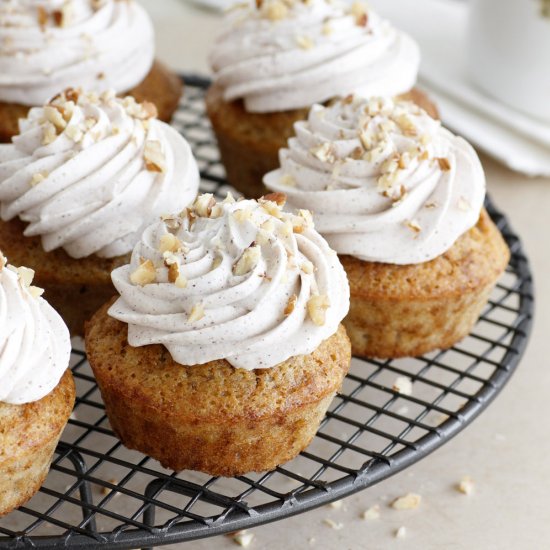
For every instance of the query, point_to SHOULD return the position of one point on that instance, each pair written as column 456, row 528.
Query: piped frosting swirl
column 242, row 281
column 89, row 172
column 49, row 45
column 35, row 346
column 289, row 54
column 386, row 182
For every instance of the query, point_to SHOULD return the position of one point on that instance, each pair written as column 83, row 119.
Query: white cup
column 509, row 52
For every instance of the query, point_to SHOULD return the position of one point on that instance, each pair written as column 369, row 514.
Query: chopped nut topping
column 75, row 133
column 26, row 275
column 35, row 291
column 49, row 133
column 413, row 225
column 307, row 267
column 145, row 274
column 204, row 204
column 42, row 16
column 466, row 485
column 3, row 261
column 63, row 17
column 242, row 215
column 290, row 305
column 38, row 177
column 276, row 10
column 327, row 29
column 248, row 261
column 324, row 152
column 432, row 204
column 403, row 385
column 271, row 207
column 279, row 198
column 444, row 164
column 317, row 308
column 173, row 272
column 359, row 10
column 54, row 116
column 305, row 42
column 410, row 501
column 197, row 313
column 372, row 513
column 155, row 161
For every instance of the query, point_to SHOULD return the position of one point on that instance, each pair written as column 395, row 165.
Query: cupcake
column 79, row 184
column 225, row 348
column 277, row 58
column 37, row 391
column 95, row 44
column 400, row 198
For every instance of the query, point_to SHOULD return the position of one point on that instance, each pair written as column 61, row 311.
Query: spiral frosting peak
column 236, row 280
column 287, row 54
column 48, row 45
column 34, row 342
column 386, row 182
column 89, row 172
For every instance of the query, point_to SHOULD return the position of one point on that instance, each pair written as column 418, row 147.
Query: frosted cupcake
column 95, row 44
column 79, row 184
column 36, row 390
column 277, row 58
column 225, row 348
column 400, row 198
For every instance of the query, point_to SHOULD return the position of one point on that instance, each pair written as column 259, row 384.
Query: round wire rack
column 100, row 494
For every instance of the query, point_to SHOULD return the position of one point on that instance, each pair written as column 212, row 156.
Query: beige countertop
column 505, row 450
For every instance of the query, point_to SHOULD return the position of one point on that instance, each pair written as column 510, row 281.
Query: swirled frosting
column 35, row 346
column 242, row 281
column 48, row 45
column 289, row 54
column 89, row 173
column 386, row 182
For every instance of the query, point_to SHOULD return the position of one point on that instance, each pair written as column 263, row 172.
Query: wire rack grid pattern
column 100, row 494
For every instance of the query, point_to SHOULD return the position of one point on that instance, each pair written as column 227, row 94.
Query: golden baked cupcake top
column 385, row 181
column 236, row 280
column 89, row 172
column 279, row 55
column 35, row 347
column 49, row 45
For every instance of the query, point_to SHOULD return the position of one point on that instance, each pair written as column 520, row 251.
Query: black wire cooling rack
column 100, row 494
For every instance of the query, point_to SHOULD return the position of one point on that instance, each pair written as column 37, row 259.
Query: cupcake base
column 76, row 288
column 28, row 437
column 249, row 143
column 161, row 87
column 212, row 417
column 409, row 310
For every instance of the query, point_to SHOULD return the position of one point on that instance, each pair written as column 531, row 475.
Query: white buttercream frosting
column 385, row 181
column 49, row 45
column 35, row 346
column 242, row 281
column 289, row 54
column 89, row 173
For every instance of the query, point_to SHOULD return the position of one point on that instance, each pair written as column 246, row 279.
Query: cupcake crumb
column 371, row 513
column 465, row 485
column 243, row 538
column 401, row 533
column 336, row 525
column 410, row 501
column 403, row 385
